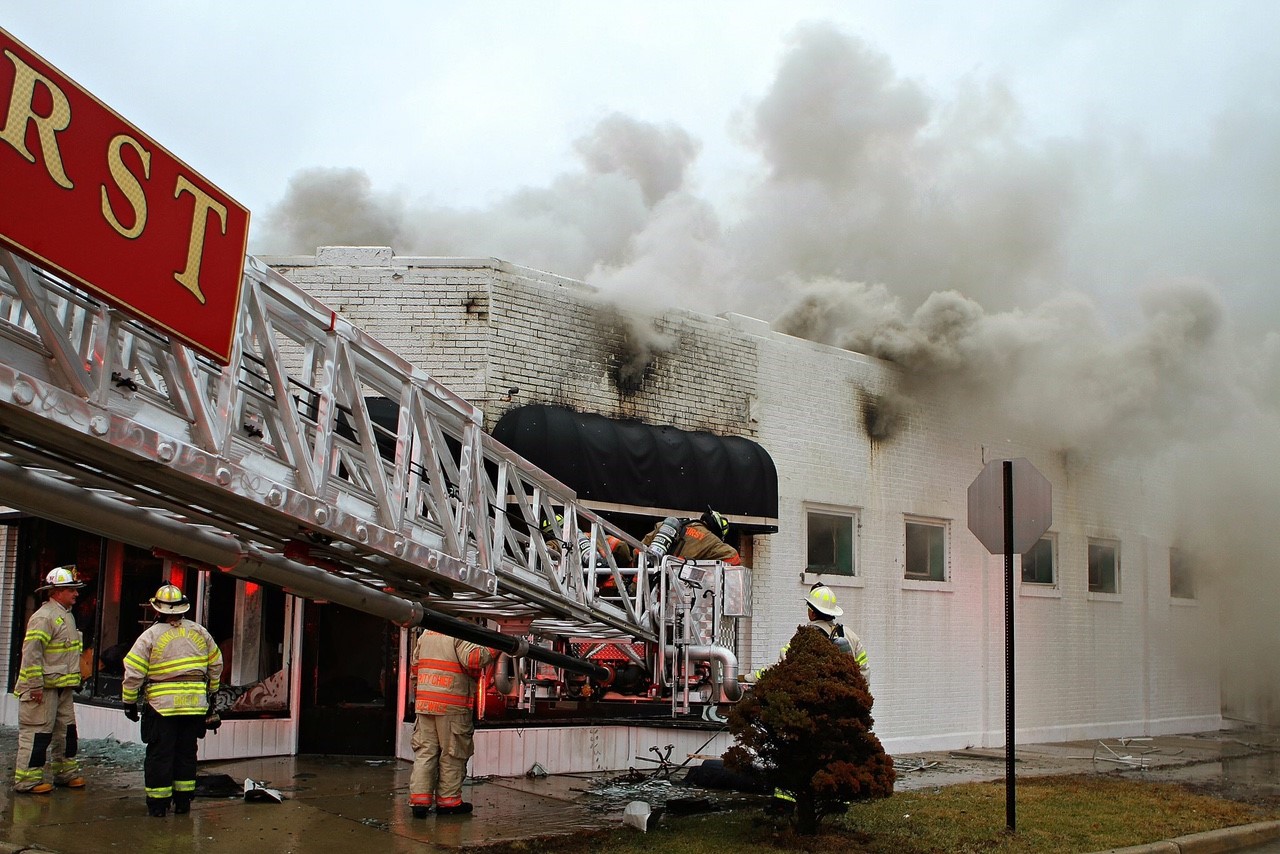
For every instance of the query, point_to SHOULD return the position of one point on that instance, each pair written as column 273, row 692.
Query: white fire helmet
column 822, row 600
column 170, row 600
column 62, row 578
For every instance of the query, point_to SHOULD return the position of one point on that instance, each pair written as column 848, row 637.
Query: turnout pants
column 442, row 744
column 169, row 770
column 46, row 733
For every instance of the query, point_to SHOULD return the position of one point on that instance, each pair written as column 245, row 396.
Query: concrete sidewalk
column 342, row 804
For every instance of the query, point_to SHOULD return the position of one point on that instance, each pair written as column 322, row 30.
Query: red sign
column 85, row 193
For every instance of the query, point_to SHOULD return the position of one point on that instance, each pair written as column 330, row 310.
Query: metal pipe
column 728, row 665
column 80, row 508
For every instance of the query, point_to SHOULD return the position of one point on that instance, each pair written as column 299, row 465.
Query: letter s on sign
column 128, row 184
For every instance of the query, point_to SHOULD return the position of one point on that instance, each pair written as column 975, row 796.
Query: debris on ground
column 111, row 753
column 1104, row 752
column 257, row 791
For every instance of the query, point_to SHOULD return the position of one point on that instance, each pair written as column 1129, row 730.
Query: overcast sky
column 1035, row 147
column 1063, row 212
column 464, row 102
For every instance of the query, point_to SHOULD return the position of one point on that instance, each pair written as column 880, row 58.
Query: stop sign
column 1032, row 505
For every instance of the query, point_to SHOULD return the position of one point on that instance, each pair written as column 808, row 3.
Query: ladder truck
column 272, row 468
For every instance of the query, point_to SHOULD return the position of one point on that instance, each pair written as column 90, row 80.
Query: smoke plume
column 1111, row 296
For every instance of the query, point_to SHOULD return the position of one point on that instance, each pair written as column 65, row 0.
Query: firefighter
column 551, row 537
column 179, row 664
column 47, row 679
column 693, row 539
column 623, row 555
column 823, row 612
column 446, row 672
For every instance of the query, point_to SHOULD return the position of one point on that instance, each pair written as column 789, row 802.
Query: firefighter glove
column 212, row 722
column 132, row 713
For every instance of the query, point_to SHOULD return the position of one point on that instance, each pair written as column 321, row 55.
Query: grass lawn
column 1075, row 813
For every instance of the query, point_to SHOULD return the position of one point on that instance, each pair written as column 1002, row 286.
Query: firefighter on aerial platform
column 623, row 556
column 551, row 535
column 446, row 674
column 693, row 539
column 47, row 678
column 175, row 665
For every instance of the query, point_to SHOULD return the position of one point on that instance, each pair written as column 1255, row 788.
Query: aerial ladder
column 272, row 468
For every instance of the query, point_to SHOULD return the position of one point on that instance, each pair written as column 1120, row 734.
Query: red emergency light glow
column 88, row 195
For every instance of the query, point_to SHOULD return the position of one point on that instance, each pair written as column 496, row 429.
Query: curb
column 1210, row 842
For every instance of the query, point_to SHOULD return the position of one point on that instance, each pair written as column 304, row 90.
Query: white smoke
column 1112, row 299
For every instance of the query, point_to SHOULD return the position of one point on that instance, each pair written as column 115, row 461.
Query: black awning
column 637, row 465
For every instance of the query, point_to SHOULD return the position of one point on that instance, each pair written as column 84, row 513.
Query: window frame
column 1052, row 540
column 944, row 528
column 851, row 515
column 1099, row 590
column 1180, row 567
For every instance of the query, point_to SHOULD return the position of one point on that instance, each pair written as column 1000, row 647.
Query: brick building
column 1110, row 639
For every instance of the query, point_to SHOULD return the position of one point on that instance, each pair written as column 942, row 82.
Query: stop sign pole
column 1011, row 521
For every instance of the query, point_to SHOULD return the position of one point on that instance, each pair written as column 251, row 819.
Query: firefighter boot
column 37, row 789
column 157, row 807
column 420, row 812
column 457, row 809
column 181, row 803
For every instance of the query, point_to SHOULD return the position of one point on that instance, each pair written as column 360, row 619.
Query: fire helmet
column 62, row 578
column 715, row 523
column 548, row 529
column 823, row 600
column 170, row 600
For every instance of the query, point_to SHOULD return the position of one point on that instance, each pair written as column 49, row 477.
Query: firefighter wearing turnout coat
column 693, row 539
column 446, row 673
column 47, row 678
column 180, row 665
column 823, row 610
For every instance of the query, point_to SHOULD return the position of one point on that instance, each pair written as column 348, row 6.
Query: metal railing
column 279, row 450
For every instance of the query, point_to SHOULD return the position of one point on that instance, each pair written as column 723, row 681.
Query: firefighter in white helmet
column 179, row 664
column 47, row 679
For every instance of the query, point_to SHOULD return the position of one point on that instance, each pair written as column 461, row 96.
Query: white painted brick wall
column 1086, row 666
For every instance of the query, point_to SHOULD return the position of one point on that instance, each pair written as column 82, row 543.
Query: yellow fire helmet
column 170, row 600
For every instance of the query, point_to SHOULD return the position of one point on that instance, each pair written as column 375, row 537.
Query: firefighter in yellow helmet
column 47, row 679
column 179, row 664
column 823, row 611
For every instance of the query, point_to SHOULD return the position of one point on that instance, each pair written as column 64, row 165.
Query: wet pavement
column 342, row 804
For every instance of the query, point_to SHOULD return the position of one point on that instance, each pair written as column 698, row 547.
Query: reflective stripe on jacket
column 180, row 665
column 445, row 673
column 852, row 644
column 50, row 650
column 847, row 641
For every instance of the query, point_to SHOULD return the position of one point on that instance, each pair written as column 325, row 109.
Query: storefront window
column 247, row 620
